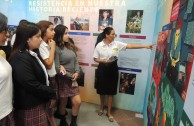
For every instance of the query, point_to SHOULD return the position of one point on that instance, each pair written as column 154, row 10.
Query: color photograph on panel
column 134, row 21
column 105, row 19
column 56, row 20
column 127, row 83
column 79, row 23
column 12, row 31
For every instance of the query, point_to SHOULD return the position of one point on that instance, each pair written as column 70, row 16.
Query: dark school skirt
column 8, row 120
column 53, row 84
column 107, row 78
column 37, row 116
column 65, row 88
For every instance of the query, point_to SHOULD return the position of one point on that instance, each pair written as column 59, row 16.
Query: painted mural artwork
column 172, row 68
column 160, row 56
column 164, row 108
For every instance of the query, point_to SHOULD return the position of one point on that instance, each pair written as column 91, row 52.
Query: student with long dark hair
column 31, row 86
column 14, row 35
column 68, row 87
column 106, row 54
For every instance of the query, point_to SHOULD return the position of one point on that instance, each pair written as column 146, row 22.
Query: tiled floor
column 127, row 118
column 88, row 117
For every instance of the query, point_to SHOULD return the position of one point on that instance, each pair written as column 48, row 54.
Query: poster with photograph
column 134, row 21
column 79, row 23
column 12, row 31
column 105, row 19
column 56, row 20
column 127, row 83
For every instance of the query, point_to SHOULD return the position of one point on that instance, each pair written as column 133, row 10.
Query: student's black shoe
column 63, row 122
column 59, row 116
column 73, row 124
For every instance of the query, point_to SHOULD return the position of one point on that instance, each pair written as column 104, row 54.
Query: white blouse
column 45, row 53
column 42, row 65
column 6, row 88
column 103, row 51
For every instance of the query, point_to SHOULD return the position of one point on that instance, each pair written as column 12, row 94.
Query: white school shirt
column 45, row 53
column 13, row 39
column 6, row 88
column 103, row 51
column 41, row 64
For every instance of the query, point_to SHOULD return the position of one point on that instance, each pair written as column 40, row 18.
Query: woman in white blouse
column 6, row 85
column 106, row 54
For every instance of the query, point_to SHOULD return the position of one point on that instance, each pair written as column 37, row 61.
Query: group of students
column 34, row 79
column 43, row 67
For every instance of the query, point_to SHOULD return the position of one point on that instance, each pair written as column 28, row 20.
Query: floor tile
column 88, row 117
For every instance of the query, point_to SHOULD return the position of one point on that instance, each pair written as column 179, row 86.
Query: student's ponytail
column 100, row 37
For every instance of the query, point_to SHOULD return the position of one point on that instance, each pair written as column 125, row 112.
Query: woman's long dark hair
column 58, row 38
column 23, row 33
column 102, row 35
column 75, row 48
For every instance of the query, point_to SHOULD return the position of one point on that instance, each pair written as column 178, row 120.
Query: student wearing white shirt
column 47, row 52
column 6, row 84
column 106, row 54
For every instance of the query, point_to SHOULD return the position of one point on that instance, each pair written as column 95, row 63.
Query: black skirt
column 107, row 78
